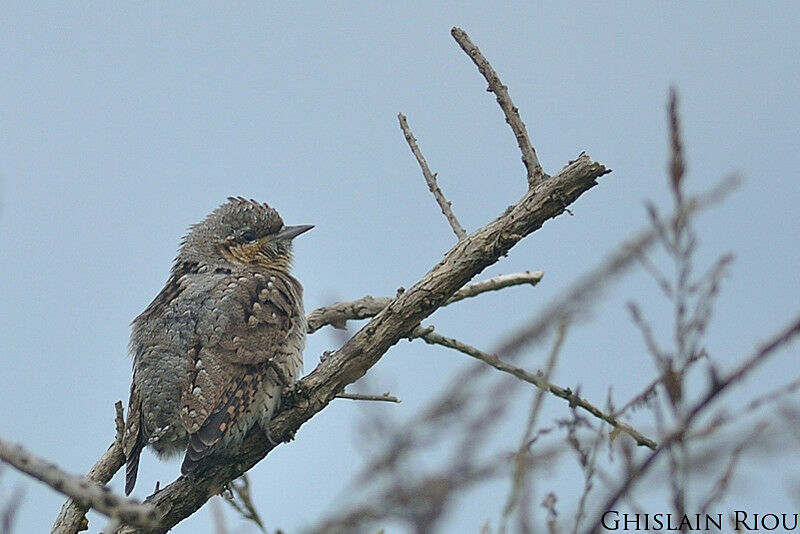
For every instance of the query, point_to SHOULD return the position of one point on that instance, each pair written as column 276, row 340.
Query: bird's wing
column 245, row 325
column 242, row 390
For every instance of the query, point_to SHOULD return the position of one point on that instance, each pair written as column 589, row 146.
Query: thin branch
column 532, row 166
column 646, row 331
column 9, row 510
column 649, row 390
column 519, row 479
column 723, row 481
column 362, row 397
column 73, row 513
column 91, row 493
column 496, row 283
column 430, row 178
column 219, row 520
column 537, row 380
column 769, row 348
column 339, row 313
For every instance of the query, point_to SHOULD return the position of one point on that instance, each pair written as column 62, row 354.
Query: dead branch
column 778, row 341
column 362, row 397
column 539, row 380
column 532, row 166
column 73, row 513
column 339, row 313
column 79, row 489
column 430, row 179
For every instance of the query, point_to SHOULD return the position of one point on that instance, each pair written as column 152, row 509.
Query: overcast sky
column 123, row 123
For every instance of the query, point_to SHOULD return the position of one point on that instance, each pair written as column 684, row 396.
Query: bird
column 213, row 352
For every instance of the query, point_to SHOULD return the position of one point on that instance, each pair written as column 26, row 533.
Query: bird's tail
column 132, row 468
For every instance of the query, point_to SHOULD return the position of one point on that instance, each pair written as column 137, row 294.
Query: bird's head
column 241, row 232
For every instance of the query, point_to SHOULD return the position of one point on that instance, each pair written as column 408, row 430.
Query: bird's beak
column 290, row 232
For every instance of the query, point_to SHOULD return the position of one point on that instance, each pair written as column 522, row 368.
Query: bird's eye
column 248, row 236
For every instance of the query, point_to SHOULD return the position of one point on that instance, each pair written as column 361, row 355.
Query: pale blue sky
column 121, row 124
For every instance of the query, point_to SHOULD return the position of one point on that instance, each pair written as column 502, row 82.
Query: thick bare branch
column 532, row 166
column 90, row 493
column 364, row 308
column 313, row 393
column 430, row 178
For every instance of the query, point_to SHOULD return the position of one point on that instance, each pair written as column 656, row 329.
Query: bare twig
column 647, row 332
column 768, row 349
column 724, row 480
column 73, row 514
column 496, row 283
column 430, row 178
column 91, row 493
column 338, row 314
column 532, row 166
column 538, row 380
column 362, row 397
column 588, row 463
column 520, row 483
column 549, row 504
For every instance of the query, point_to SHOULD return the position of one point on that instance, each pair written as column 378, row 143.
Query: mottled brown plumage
column 215, row 348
